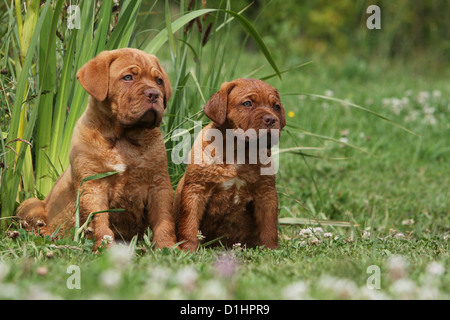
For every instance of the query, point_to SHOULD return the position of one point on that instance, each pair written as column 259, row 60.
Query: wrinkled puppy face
column 131, row 82
column 247, row 104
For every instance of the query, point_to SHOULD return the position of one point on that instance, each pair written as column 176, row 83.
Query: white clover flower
column 428, row 110
column 37, row 292
column 429, row 293
column 327, row 235
column 306, row 232
column 405, row 101
column 423, row 97
column 436, row 94
column 318, row 230
column 175, row 294
column 429, row 119
column 399, row 235
column 412, row 115
column 366, row 234
column 108, row 239
column 200, row 236
column 213, row 289
column 397, row 106
column 408, row 222
column 156, row 282
column 386, row 102
column 397, row 267
column 341, row 287
column 435, row 269
column 110, row 278
column 120, row 256
column 159, row 274
column 329, row 93
column 343, row 139
column 302, row 243
column 187, row 278
column 404, row 289
column 370, row 294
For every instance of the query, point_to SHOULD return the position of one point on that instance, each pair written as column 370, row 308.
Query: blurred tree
column 339, row 27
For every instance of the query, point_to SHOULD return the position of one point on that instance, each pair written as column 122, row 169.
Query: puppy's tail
column 33, row 215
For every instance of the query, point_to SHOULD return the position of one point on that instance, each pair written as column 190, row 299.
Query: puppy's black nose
column 152, row 95
column 269, row 120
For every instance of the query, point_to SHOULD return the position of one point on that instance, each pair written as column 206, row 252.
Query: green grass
column 399, row 178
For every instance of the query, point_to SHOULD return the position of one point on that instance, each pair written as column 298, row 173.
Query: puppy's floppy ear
column 165, row 77
column 94, row 75
column 216, row 107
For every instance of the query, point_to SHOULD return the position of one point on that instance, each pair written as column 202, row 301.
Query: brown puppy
column 118, row 131
column 220, row 196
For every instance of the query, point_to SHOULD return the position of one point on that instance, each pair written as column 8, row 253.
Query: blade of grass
column 295, row 128
column 301, row 221
column 47, row 79
column 157, row 42
column 285, row 71
column 120, row 37
column 357, row 107
column 257, row 38
column 13, row 176
column 163, row 35
column 80, row 192
column 29, row 24
column 169, row 29
column 79, row 231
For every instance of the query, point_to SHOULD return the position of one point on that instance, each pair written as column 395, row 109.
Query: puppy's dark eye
column 128, row 77
column 276, row 107
column 159, row 81
column 247, row 104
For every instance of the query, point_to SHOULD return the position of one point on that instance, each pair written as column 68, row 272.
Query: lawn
column 363, row 179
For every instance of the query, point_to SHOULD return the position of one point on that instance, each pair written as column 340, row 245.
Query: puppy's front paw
column 165, row 244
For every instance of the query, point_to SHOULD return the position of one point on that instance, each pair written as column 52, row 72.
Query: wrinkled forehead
column 254, row 89
column 135, row 62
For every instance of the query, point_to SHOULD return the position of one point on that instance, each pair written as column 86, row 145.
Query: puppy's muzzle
column 152, row 95
column 269, row 121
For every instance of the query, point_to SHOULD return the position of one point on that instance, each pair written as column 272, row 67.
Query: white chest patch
column 118, row 167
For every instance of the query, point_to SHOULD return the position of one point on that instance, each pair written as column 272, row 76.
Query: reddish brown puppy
column 119, row 131
column 219, row 195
